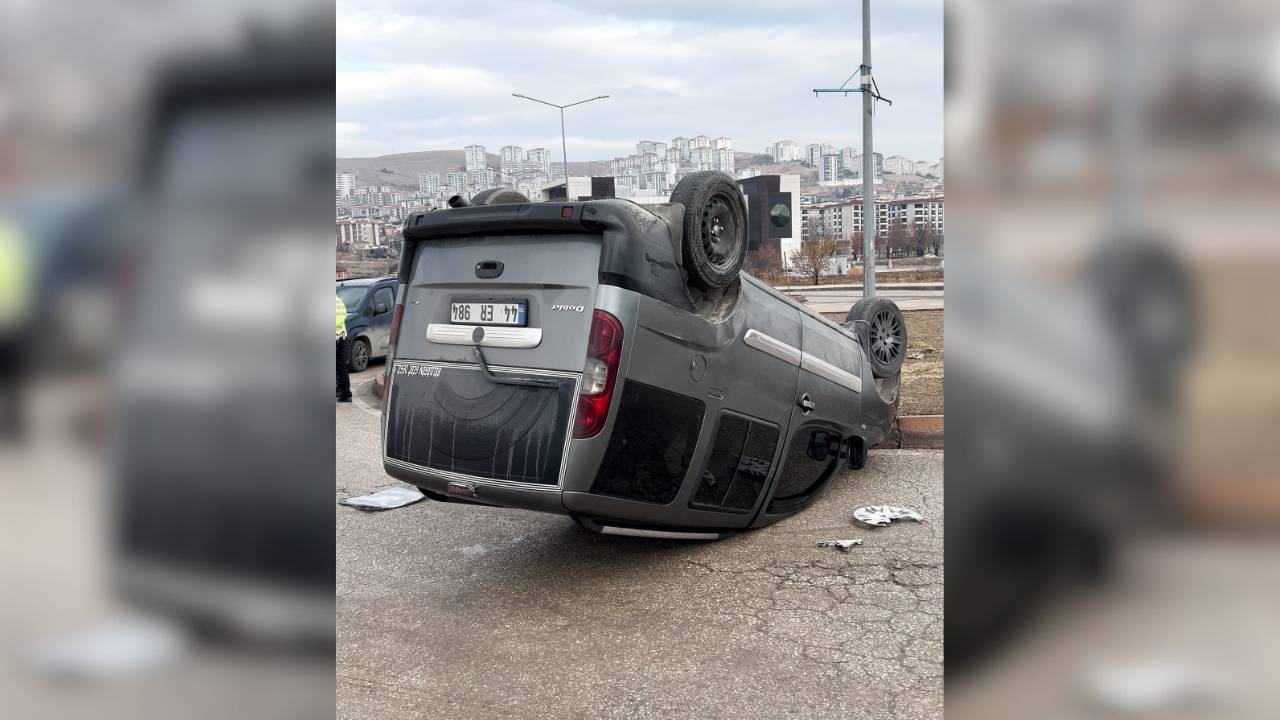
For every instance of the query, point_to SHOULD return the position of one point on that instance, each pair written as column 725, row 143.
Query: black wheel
column 498, row 196
column 715, row 228
column 1148, row 298
column 358, row 355
column 883, row 332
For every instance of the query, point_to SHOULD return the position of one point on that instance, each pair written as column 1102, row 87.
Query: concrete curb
column 919, row 431
column 379, row 384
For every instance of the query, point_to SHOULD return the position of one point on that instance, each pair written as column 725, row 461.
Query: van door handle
column 488, row 269
column 806, row 404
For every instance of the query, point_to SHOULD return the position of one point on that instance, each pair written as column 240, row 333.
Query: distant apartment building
column 911, row 212
column 682, row 147
column 511, row 160
column 724, row 161
column 851, row 162
column 829, row 168
column 659, row 183
column 457, row 182
column 813, row 154
column 355, row 233
column 701, row 141
column 346, row 184
column 644, row 147
column 540, row 157
column 625, row 185
column 673, row 155
column 722, row 143
column 898, row 165
column 484, row 178
column 701, row 158
column 429, row 182
column 843, row 220
column 475, row 158
column 786, row 151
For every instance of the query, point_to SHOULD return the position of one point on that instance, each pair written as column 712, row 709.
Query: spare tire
column 498, row 196
column 715, row 228
column 883, row 332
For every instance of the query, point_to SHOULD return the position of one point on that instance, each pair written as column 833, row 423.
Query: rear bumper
column 482, row 491
column 590, row 510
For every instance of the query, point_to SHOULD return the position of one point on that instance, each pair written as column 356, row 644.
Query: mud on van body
column 564, row 357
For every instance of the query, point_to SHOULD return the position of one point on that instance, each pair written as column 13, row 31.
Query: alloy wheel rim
column 888, row 337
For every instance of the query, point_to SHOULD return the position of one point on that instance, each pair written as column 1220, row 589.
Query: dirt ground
column 922, row 371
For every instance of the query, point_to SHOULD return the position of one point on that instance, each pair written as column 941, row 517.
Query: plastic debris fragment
column 1150, row 688
column 385, row 499
column 121, row 647
column 880, row 515
column 842, row 544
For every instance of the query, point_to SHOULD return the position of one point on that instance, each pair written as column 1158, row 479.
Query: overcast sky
column 436, row 74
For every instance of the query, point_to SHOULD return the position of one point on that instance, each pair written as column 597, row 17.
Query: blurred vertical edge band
column 1113, row 360
column 166, row 176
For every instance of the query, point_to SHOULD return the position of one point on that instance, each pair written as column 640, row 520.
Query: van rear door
column 489, row 355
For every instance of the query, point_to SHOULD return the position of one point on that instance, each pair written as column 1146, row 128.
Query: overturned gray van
column 611, row 361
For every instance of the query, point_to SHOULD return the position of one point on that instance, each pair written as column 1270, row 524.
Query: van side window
column 383, row 299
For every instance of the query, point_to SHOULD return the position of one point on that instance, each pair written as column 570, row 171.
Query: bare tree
column 812, row 259
column 926, row 240
column 766, row 264
column 897, row 240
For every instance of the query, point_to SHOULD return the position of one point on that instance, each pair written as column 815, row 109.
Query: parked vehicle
column 369, row 302
column 610, row 361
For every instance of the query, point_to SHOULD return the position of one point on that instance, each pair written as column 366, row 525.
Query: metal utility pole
column 870, row 93
column 564, row 150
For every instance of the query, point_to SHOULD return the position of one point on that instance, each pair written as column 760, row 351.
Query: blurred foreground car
column 219, row 516
column 369, row 302
column 610, row 361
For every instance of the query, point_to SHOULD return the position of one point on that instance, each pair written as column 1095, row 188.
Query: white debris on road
column 385, row 499
column 121, row 647
column 842, row 544
column 880, row 515
column 1154, row 687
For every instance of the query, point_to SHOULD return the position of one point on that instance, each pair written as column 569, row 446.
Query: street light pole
column 868, row 163
column 564, row 152
column 870, row 93
column 564, row 149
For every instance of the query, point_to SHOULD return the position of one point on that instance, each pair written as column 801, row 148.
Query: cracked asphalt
column 470, row 612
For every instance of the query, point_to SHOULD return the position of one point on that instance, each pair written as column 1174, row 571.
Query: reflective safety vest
column 15, row 277
column 341, row 330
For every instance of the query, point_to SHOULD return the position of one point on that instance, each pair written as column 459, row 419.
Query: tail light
column 604, row 351
column 391, row 350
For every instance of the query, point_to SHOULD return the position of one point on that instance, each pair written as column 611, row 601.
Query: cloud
column 422, row 72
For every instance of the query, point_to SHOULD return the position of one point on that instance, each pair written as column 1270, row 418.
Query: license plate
column 480, row 313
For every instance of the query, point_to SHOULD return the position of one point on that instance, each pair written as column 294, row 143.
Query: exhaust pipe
column 458, row 201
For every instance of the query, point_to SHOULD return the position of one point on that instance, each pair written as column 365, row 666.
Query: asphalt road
column 469, row 612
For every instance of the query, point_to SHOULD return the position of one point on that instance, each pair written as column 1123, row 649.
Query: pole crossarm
column 873, row 92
